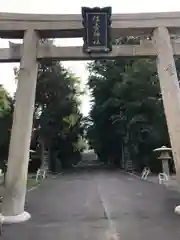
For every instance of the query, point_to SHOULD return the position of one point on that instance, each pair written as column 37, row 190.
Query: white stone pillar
column 16, row 177
column 169, row 89
column 170, row 92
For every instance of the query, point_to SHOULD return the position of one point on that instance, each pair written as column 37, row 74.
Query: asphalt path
column 99, row 205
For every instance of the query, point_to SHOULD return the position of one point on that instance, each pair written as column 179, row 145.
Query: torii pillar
column 170, row 91
column 17, row 168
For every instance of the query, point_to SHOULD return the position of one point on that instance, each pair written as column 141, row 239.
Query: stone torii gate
column 31, row 28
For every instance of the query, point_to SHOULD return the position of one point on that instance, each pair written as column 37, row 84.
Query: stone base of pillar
column 177, row 210
column 25, row 216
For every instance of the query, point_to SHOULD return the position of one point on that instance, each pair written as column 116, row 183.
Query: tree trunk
column 127, row 159
column 122, row 156
column 42, row 151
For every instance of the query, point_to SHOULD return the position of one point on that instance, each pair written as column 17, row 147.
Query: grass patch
column 31, row 182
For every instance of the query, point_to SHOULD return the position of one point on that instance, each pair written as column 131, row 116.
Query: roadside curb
column 139, row 177
column 134, row 175
column 33, row 188
column 169, row 187
column 57, row 175
column 38, row 185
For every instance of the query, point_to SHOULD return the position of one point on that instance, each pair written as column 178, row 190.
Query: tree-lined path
column 99, row 205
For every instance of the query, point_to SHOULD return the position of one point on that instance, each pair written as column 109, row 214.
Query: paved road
column 99, row 205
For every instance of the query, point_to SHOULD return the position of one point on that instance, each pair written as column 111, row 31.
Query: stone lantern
column 164, row 153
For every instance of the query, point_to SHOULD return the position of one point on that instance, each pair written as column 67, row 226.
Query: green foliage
column 6, row 110
column 57, row 117
column 127, row 110
column 4, row 101
column 56, row 125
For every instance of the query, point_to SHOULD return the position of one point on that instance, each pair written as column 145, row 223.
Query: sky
column 74, row 7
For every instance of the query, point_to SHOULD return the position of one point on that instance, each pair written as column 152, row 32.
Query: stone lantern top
column 164, row 152
column 162, row 149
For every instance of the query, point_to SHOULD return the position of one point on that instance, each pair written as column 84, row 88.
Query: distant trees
column 6, row 110
column 56, row 124
column 127, row 118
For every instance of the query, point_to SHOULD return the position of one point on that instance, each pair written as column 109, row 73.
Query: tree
column 127, row 117
column 56, row 124
column 57, row 113
column 6, row 111
column 4, row 101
